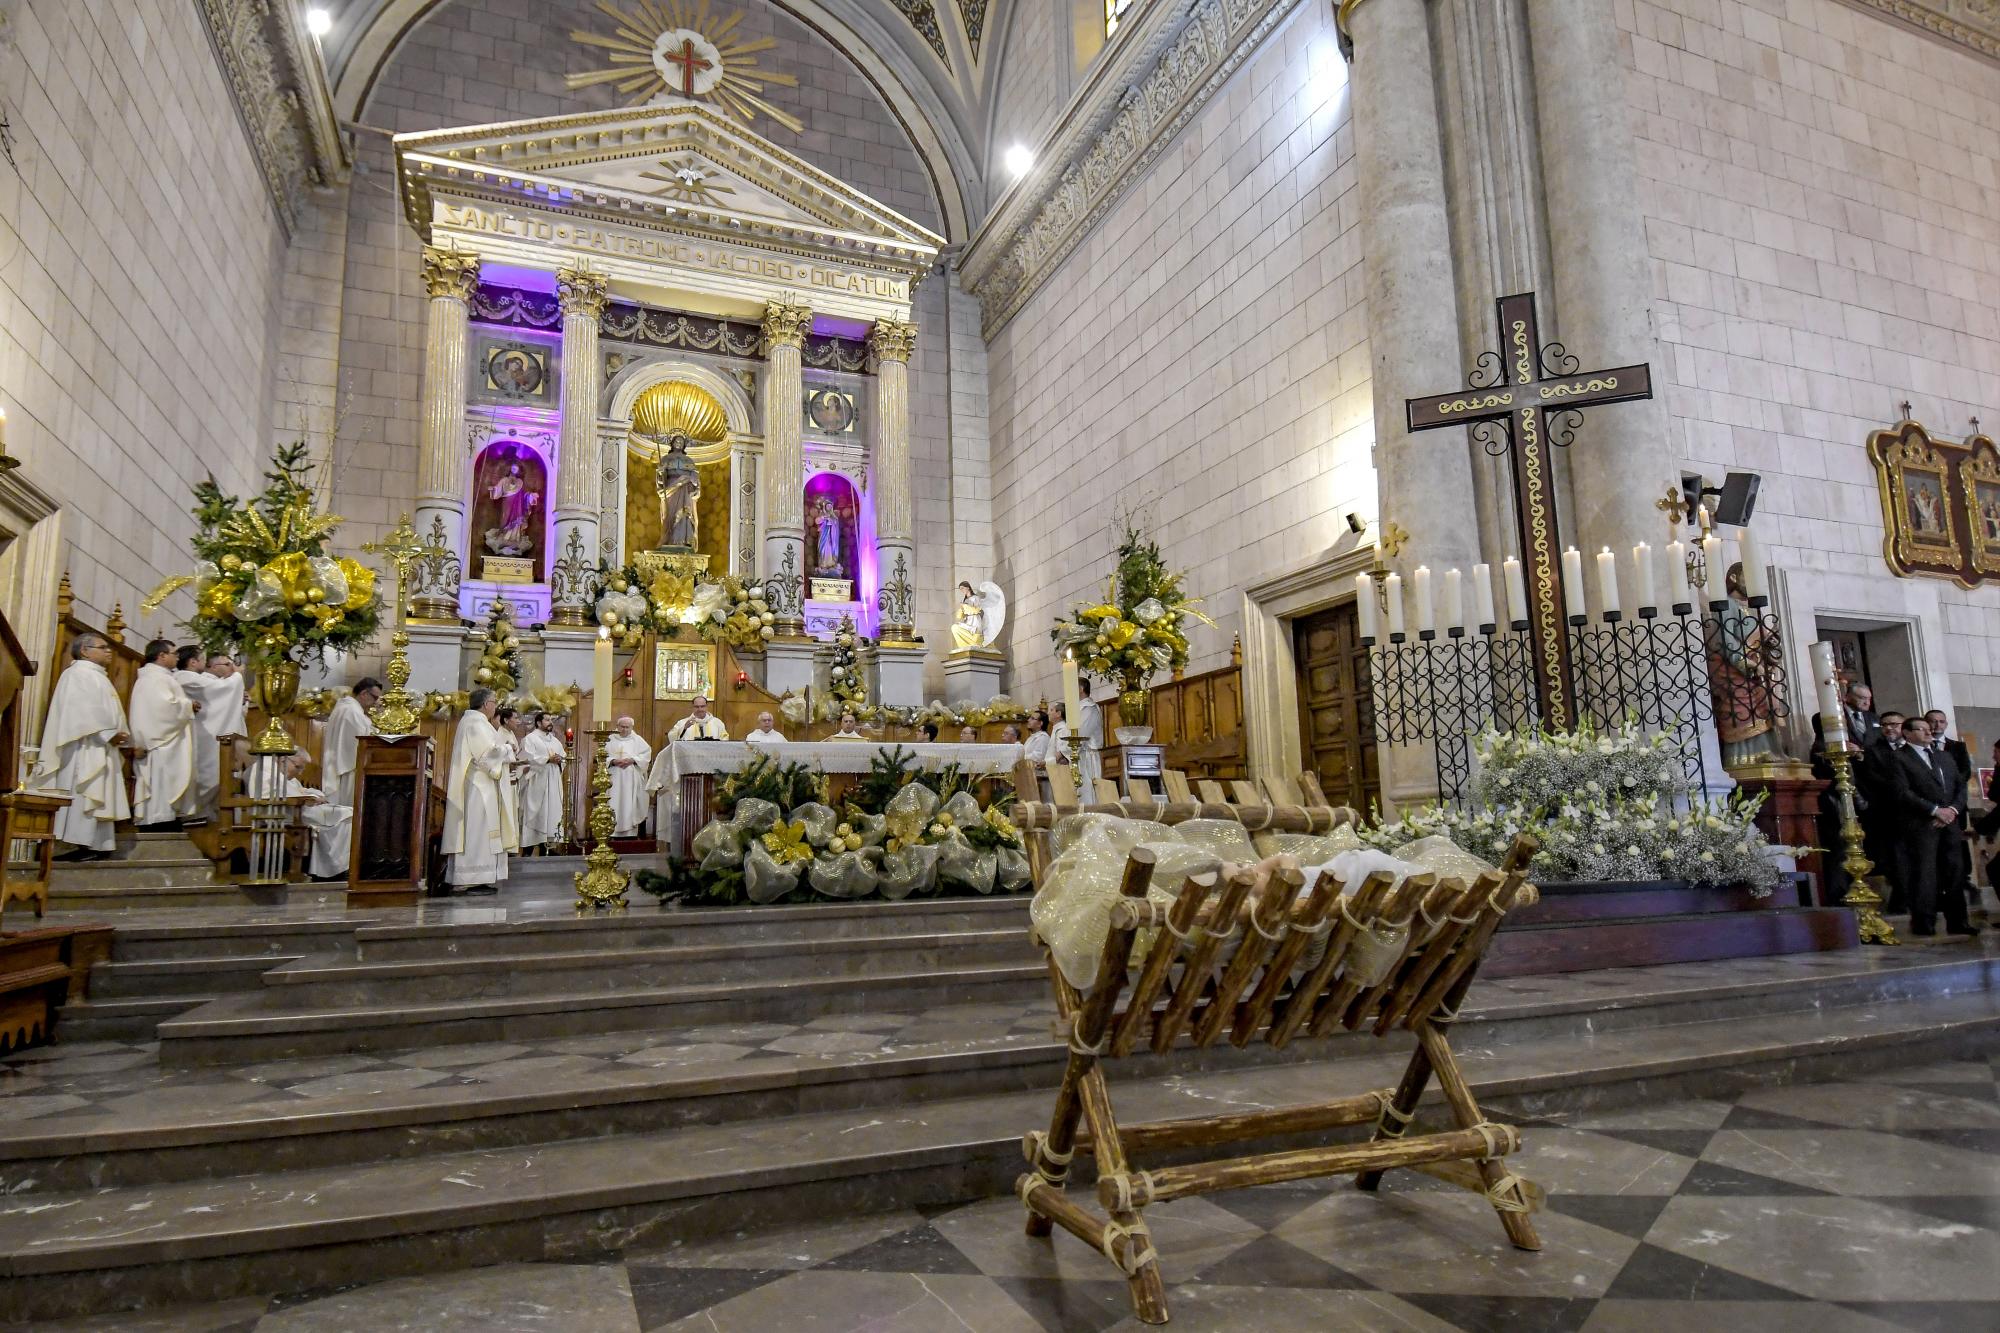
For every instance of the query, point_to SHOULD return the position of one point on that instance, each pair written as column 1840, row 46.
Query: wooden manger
column 1401, row 956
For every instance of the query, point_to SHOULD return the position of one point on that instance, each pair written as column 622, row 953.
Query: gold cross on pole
column 404, row 549
column 395, row 713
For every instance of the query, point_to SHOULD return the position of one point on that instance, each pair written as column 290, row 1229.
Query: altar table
column 684, row 772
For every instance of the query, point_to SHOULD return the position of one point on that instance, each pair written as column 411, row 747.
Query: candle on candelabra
column 600, row 677
column 1573, row 582
column 1395, row 585
column 1677, row 574
column 1607, row 581
column 1482, row 594
column 1072, row 689
column 1642, row 575
column 1832, row 717
column 1454, row 600
column 1517, row 591
column 1364, row 605
column 1426, row 608
column 1753, row 566
column 1717, row 573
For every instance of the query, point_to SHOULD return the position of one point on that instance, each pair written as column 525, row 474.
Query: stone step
column 141, row 941
column 1583, row 945
column 189, row 1139
column 80, row 1252
column 122, row 1020
column 317, row 983
column 241, row 1028
column 148, row 888
column 162, row 977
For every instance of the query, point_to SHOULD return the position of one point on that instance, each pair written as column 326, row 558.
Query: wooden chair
column 1181, row 992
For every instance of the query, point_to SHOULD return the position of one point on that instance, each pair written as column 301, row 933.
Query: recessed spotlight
column 318, row 22
column 1019, row 160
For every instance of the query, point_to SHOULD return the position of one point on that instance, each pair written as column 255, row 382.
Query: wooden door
column 1336, row 717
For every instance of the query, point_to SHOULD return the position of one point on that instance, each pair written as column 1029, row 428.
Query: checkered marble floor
column 1830, row 1208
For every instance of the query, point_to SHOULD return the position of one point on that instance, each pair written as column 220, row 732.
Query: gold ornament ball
column 316, row 594
column 513, row 642
column 296, row 598
column 482, row 675
column 232, row 562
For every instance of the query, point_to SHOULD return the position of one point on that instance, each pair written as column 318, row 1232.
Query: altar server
column 197, row 803
column 629, row 755
column 510, row 725
column 79, row 756
column 223, row 714
column 332, row 825
column 478, row 827
column 345, row 727
column 542, row 786
column 1036, row 748
column 767, row 732
column 163, row 730
column 699, row 725
column 1090, row 725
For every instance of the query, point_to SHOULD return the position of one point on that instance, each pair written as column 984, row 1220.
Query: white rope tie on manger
column 1134, row 1258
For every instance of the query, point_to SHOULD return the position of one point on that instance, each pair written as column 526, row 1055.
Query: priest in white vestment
column 163, row 730
column 332, row 825
column 629, row 756
column 767, row 732
column 79, row 756
column 222, row 713
column 197, row 803
column 699, row 724
column 1036, row 748
column 542, row 786
column 512, row 727
column 478, row 826
column 1090, row 725
column 345, row 727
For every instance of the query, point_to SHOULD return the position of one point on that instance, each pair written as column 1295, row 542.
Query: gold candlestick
column 1863, row 899
column 605, row 882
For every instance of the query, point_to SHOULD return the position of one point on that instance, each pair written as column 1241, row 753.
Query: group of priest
column 503, row 791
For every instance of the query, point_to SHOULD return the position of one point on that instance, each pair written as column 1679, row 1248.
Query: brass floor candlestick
column 1863, row 899
column 605, row 882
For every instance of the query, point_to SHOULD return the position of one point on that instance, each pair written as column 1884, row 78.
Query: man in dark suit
column 1927, row 836
column 1961, row 760
column 1879, row 779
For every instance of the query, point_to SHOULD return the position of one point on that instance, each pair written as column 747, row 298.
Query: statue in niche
column 826, row 553
column 679, row 483
column 514, row 533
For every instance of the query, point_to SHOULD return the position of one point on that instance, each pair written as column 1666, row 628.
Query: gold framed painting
column 1923, row 518
column 1980, row 476
column 683, row 670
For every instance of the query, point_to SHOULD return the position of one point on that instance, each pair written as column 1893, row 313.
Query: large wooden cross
column 1518, row 390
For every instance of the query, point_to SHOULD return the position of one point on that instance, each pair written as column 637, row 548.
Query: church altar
column 688, row 770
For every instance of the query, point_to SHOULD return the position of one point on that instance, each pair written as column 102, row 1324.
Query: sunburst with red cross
column 672, row 48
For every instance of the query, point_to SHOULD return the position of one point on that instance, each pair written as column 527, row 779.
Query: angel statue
column 679, row 482
column 980, row 617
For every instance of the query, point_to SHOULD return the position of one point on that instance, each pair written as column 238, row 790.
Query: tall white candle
column 1426, row 608
column 1072, row 690
column 1482, row 594
column 1572, row 582
column 1832, row 717
column 1753, row 566
column 1395, row 585
column 1677, row 574
column 1642, row 575
column 1454, row 600
column 1517, row 591
column 600, row 677
column 1607, row 581
column 1364, row 605
column 1717, row 587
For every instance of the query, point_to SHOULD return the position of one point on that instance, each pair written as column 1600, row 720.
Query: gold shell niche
column 678, row 405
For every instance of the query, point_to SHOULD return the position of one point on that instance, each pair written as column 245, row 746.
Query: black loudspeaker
column 1738, row 499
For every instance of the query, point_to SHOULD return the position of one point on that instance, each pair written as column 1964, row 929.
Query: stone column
column 449, row 277
column 1425, row 480
column 577, row 465
column 891, row 341
column 1622, row 460
column 786, row 323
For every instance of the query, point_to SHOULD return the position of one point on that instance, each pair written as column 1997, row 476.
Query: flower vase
column 277, row 689
column 1135, row 701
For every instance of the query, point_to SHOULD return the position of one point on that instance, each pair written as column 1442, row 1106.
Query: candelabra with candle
column 604, row 882
column 1861, row 899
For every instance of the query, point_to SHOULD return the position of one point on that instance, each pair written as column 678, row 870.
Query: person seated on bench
column 332, row 825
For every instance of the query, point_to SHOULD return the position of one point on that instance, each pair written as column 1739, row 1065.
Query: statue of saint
column 679, row 482
column 980, row 617
column 514, row 534
column 1740, row 664
column 826, row 522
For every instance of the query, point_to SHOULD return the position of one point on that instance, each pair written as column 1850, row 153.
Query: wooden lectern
column 398, row 820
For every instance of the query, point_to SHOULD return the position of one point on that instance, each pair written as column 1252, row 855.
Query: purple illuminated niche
column 849, row 526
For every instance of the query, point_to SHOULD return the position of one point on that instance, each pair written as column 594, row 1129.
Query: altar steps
column 340, row 1201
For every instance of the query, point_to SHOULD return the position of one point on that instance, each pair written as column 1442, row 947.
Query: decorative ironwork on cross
column 690, row 63
column 1521, row 401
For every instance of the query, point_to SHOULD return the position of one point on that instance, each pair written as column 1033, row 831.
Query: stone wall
column 1199, row 362
column 1034, row 82
column 1822, row 198
column 140, row 266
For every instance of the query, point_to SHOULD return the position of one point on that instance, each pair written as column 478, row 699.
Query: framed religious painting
column 683, row 670
column 831, row 411
column 1923, row 518
column 515, row 371
column 1979, row 477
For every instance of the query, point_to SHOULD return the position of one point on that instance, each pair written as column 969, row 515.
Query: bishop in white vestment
column 79, row 756
column 629, row 756
column 163, row 729
column 541, row 788
column 478, row 826
column 345, row 727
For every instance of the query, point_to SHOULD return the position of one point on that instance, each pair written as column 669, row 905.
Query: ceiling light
column 318, row 22
column 1019, row 160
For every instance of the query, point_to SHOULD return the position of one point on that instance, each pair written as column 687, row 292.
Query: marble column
column 571, row 574
column 891, row 341
column 786, row 323
column 1622, row 460
column 449, row 277
column 1424, row 480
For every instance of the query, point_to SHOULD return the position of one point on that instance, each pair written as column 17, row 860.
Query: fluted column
column 786, row 323
column 449, row 277
column 1622, row 459
column 577, row 463
column 891, row 341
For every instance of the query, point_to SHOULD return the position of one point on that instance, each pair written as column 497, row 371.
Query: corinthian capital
column 786, row 323
column 450, row 272
column 892, row 340
column 581, row 291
